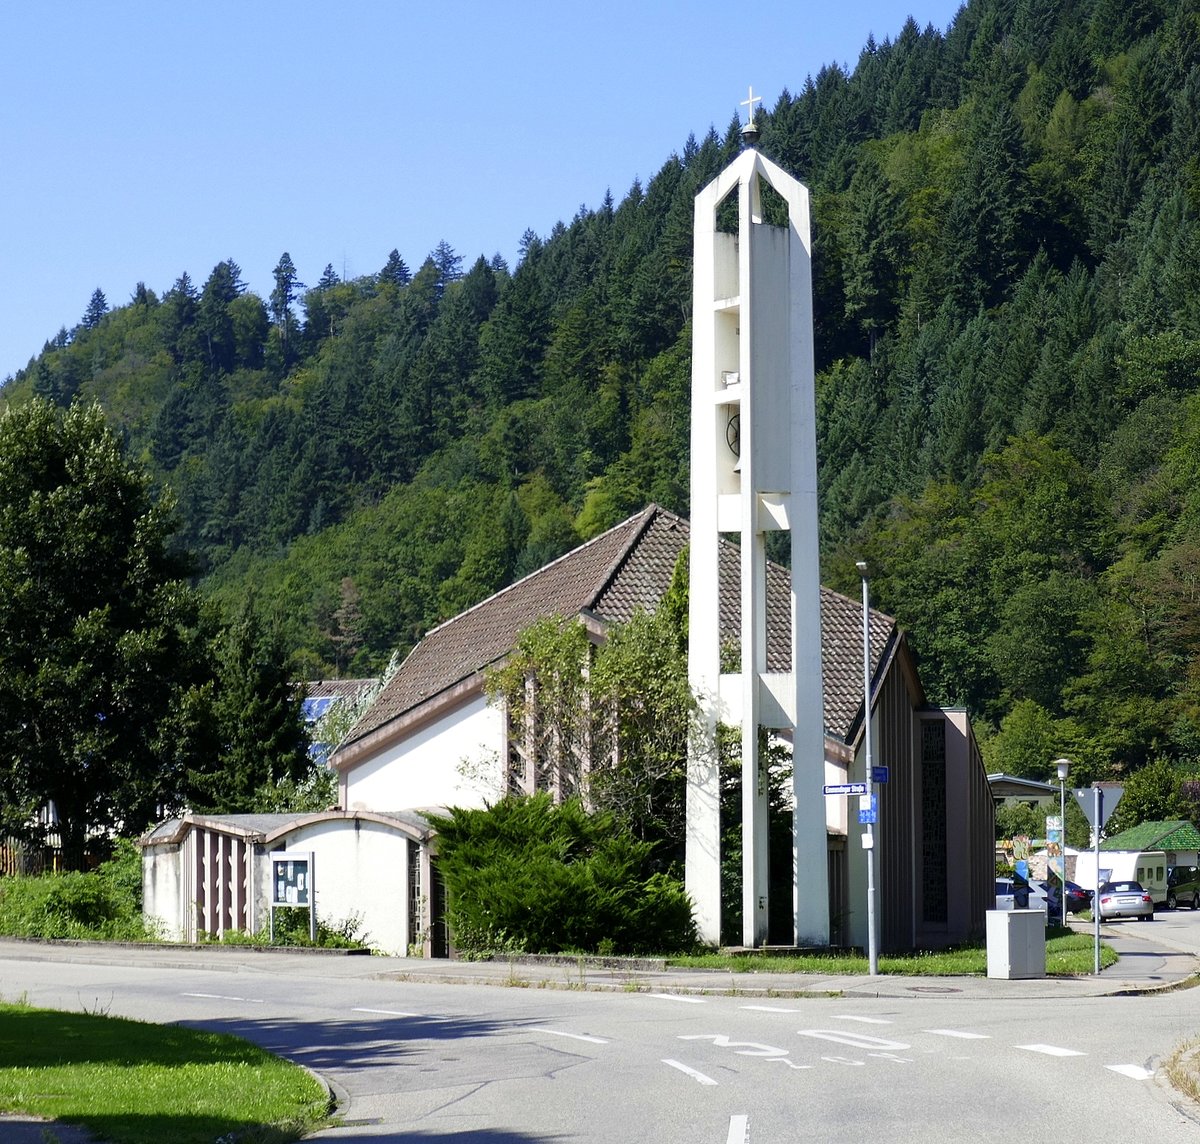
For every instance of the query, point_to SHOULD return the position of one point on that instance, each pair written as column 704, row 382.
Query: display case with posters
column 292, row 873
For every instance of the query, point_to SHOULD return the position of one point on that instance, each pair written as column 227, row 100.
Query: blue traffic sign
column 879, row 774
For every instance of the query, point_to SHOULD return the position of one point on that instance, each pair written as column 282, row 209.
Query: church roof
column 610, row 577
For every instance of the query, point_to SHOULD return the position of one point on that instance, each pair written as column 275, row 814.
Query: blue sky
column 141, row 139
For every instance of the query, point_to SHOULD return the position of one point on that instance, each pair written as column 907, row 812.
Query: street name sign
column 846, row 788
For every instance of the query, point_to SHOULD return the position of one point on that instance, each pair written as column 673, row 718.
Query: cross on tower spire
column 749, row 103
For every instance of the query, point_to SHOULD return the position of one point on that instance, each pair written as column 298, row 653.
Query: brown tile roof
column 611, row 576
column 466, row 644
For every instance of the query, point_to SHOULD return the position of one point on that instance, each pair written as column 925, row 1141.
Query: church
column 432, row 739
column 892, row 838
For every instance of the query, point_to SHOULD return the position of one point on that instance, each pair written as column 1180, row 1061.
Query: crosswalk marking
column 223, row 997
column 573, row 1036
column 387, row 1012
column 696, row 1076
column 1134, row 1072
column 1052, row 1050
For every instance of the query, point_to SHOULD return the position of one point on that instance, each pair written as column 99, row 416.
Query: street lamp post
column 1064, row 769
column 869, row 837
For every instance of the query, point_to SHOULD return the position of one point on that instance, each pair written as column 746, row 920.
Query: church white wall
column 361, row 870
column 454, row 760
column 162, row 889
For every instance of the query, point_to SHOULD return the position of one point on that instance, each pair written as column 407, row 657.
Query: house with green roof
column 1176, row 837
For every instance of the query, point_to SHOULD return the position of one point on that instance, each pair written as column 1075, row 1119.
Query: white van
column 1149, row 867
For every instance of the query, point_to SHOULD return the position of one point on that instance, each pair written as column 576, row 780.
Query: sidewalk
column 1149, row 962
column 1147, row 965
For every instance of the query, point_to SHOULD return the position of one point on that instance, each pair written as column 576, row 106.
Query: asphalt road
column 420, row 1061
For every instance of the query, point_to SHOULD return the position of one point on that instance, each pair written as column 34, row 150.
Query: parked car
column 1012, row 894
column 1078, row 899
column 1124, row 900
column 1053, row 904
column 1183, row 887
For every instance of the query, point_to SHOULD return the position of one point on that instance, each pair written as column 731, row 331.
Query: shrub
column 80, row 906
column 291, row 928
column 104, row 905
column 527, row 875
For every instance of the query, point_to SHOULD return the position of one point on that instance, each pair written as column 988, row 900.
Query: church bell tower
column 754, row 471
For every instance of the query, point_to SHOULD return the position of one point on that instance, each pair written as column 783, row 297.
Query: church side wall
column 361, row 872
column 454, row 760
column 898, row 836
column 973, row 806
column 162, row 889
column 935, row 831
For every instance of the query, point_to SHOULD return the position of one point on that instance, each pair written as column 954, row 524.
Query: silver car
column 1124, row 900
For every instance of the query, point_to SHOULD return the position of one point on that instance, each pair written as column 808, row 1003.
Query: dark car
column 1078, row 899
column 1183, row 887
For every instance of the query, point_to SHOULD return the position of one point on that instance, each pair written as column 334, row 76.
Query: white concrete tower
column 753, row 470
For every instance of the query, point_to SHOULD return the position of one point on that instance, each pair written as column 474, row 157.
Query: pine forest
column 1006, row 223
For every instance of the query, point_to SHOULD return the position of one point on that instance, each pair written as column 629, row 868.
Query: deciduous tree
column 99, row 649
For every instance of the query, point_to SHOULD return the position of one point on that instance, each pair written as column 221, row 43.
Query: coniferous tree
column 257, row 715
column 872, row 257
column 287, row 285
column 395, row 271
column 213, row 319
column 448, row 263
column 97, row 307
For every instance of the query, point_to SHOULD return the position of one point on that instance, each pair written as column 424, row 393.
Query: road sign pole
column 869, row 837
column 1097, row 821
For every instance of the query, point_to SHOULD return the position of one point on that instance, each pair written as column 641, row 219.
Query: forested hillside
column 1007, row 276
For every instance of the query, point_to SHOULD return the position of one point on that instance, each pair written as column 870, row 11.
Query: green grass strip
column 1067, row 955
column 132, row 1082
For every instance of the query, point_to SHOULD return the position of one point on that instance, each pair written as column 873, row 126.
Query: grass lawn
column 131, row 1082
column 1068, row 954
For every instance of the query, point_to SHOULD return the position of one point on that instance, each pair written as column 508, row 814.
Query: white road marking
column 1134, row 1072
column 742, row 1048
column 678, row 997
column 854, row 1040
column 739, row 1130
column 697, row 1076
column 387, row 1012
column 864, row 1020
column 1052, row 1050
column 767, row 1009
column 959, row 1033
column 573, row 1036
column 790, row 1064
column 223, row 997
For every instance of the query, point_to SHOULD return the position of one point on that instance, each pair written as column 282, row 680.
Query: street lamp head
column 861, row 565
column 1064, row 768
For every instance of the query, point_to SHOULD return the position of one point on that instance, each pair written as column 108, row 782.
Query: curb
column 218, row 947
